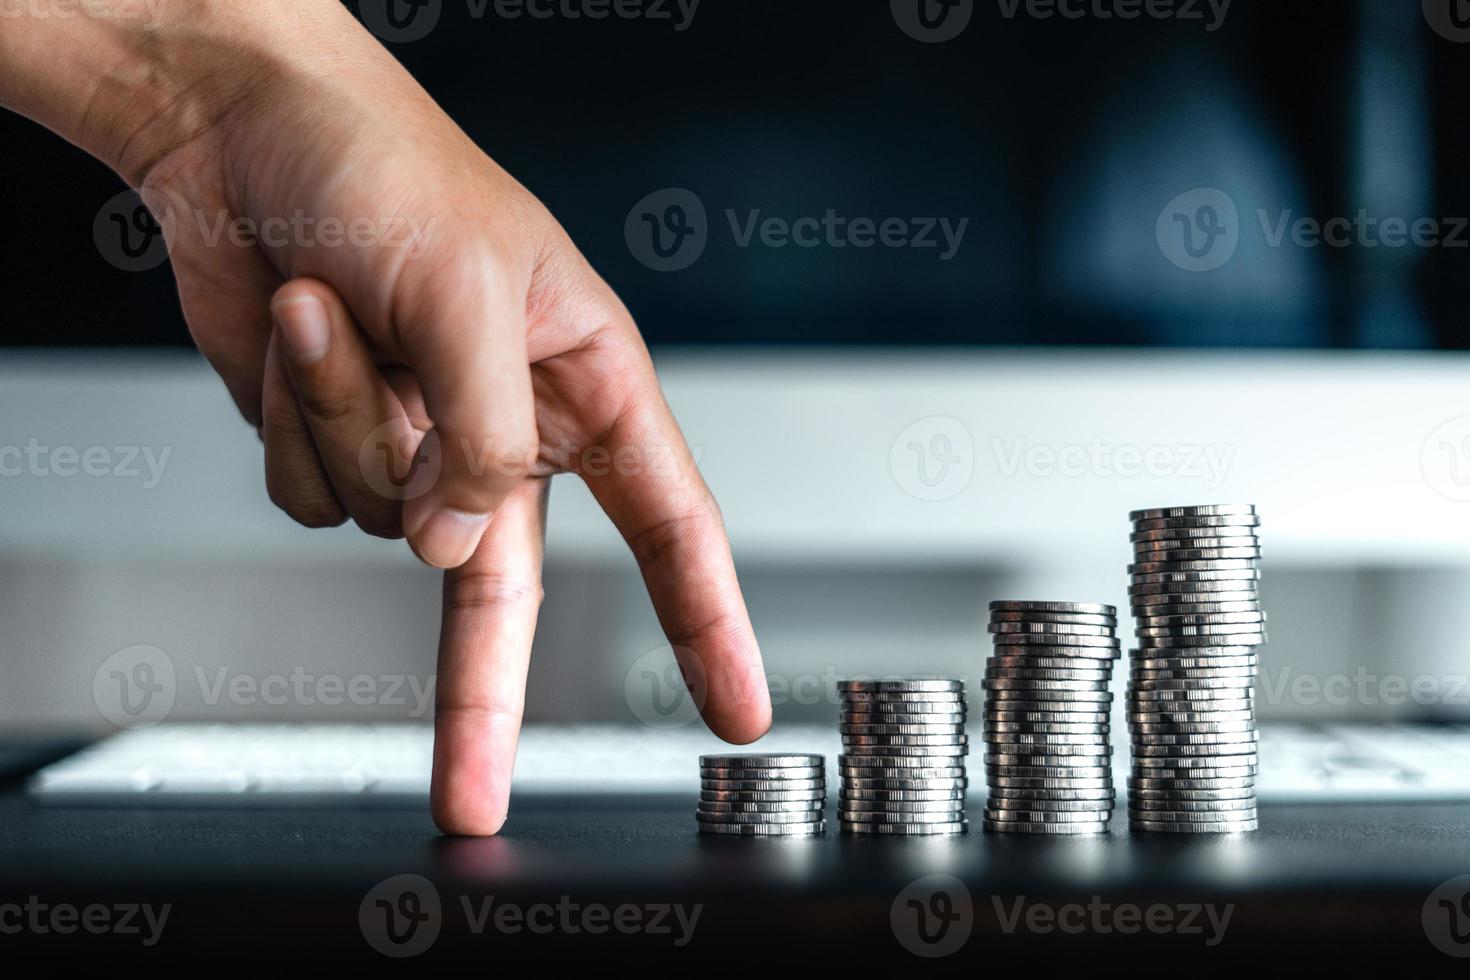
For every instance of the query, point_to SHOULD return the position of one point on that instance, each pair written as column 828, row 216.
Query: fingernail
column 304, row 323
column 449, row 537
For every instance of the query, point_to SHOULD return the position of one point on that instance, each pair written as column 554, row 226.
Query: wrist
column 129, row 81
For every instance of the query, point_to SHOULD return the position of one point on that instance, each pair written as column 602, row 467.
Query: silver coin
column 1071, row 757
column 763, row 785
column 1195, row 510
column 1050, row 663
column 1165, row 827
column 935, row 721
column 1045, row 727
column 1051, row 629
column 1012, row 827
column 1214, row 735
column 1185, row 602
column 1250, row 660
column 763, row 797
column 1227, row 650
column 1197, row 565
column 756, row 761
column 1044, row 688
column 925, row 712
column 1243, row 575
column 1081, row 619
column 712, row 772
column 1163, row 685
column 1157, row 621
column 1108, row 642
column 1049, row 673
column 1081, row 656
column 1199, row 520
column 812, row 829
column 900, row 728
column 852, row 794
column 1150, row 729
column 882, row 784
column 919, row 700
column 931, row 775
column 914, row 753
column 996, row 709
column 1095, row 815
column 1142, row 698
column 1179, row 785
column 868, row 743
column 1098, row 768
column 1005, row 740
column 1093, row 608
column 1223, row 772
column 1144, row 806
column 1002, row 801
column 1033, row 783
column 858, row 807
column 1145, row 596
column 1212, row 629
column 1195, row 816
column 946, row 815
column 769, row 806
column 1188, row 717
column 1245, row 744
column 1149, row 764
column 1152, row 646
column 915, row 686
column 1186, row 673
column 1191, row 795
column 1190, row 555
column 1144, row 547
column 772, row 817
column 1150, row 535
column 1062, row 698
column 1169, row 610
column 1066, row 717
column 906, row 829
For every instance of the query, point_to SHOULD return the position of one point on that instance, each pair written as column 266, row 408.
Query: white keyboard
column 277, row 764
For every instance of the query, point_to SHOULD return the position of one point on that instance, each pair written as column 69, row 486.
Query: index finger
column 654, row 493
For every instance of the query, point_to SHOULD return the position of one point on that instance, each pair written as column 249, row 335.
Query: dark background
column 1060, row 141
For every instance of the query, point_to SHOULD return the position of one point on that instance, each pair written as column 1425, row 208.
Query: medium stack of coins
column 762, row 795
column 903, row 773
column 1047, row 703
column 1191, row 691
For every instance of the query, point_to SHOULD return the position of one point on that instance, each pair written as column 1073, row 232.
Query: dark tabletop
column 598, row 876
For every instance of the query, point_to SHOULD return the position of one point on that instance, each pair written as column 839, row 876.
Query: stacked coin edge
column 762, row 795
column 1047, row 717
column 903, row 762
column 1194, row 593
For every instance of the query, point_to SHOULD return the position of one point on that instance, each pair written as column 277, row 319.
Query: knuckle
column 327, row 406
column 308, row 510
column 664, row 538
column 493, row 592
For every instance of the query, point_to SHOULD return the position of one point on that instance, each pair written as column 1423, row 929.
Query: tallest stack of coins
column 1191, row 691
column 1049, row 757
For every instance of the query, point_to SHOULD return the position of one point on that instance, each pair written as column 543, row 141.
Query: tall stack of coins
column 1194, row 590
column 762, row 795
column 903, row 767
column 1048, row 765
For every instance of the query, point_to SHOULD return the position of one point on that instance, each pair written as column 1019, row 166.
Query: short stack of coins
column 903, row 767
column 1048, row 762
column 753, row 795
column 1194, row 591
